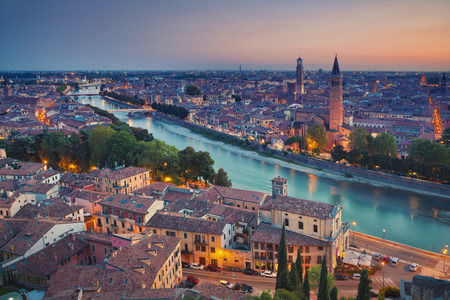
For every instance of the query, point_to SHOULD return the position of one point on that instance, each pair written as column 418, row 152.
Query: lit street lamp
column 354, row 224
column 445, row 254
column 382, row 268
column 384, row 231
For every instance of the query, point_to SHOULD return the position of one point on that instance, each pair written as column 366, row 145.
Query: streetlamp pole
column 384, row 231
column 354, row 224
column 445, row 254
column 382, row 267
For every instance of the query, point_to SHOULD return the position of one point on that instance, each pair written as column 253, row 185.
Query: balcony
column 99, row 225
column 186, row 252
column 121, row 187
column 114, row 225
column 200, row 242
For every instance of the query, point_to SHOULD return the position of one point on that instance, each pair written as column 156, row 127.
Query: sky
column 378, row 35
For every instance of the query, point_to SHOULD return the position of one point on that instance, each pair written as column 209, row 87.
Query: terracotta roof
column 181, row 222
column 52, row 208
column 241, row 195
column 209, row 290
column 42, row 188
column 45, row 174
column 128, row 202
column 299, row 206
column 267, row 233
column 46, row 261
column 9, row 185
column 25, row 169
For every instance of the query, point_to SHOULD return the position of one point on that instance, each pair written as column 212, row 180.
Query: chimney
column 73, row 237
column 72, row 246
column 55, row 256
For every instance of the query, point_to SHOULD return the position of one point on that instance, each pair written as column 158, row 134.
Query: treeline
column 114, row 146
column 124, row 98
column 171, row 110
column 427, row 160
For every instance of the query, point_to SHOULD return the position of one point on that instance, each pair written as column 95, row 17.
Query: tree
column 323, row 283
column 359, row 139
column 204, row 165
column 97, row 141
column 364, row 287
column 285, row 280
column 294, row 278
column 338, row 153
column 221, row 178
column 192, row 90
column 294, row 140
column 299, row 265
column 383, row 144
column 120, row 146
column 389, row 291
column 282, row 260
column 334, row 293
column 317, row 137
column 186, row 164
column 445, row 138
column 237, row 98
column 306, row 288
column 428, row 151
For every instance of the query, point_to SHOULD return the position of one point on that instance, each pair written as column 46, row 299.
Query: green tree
column 338, row 153
column 299, row 265
column 282, row 260
column 192, row 90
column 428, row 151
column 120, row 146
column 317, row 137
column 383, row 144
column 61, row 88
column 295, row 279
column 306, row 287
column 221, row 178
column 294, row 140
column 187, row 170
column 53, row 148
column 364, row 287
column 445, row 138
column 285, row 280
column 323, row 283
column 334, row 293
column 391, row 292
column 204, row 165
column 359, row 140
column 97, row 143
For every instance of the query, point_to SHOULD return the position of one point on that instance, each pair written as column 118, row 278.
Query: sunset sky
column 408, row 35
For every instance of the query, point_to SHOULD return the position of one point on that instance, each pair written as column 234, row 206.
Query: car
column 213, row 268
column 196, row 266
column 395, row 261
column 413, row 267
column 385, row 259
column 184, row 264
column 378, row 256
column 269, row 274
column 353, row 246
column 356, row 276
column 187, row 284
column 243, row 288
column 226, row 284
column 340, row 277
column 250, row 272
column 192, row 279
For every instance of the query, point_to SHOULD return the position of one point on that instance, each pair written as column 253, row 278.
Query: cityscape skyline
column 203, row 35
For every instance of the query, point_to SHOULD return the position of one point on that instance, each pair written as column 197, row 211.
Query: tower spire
column 336, row 67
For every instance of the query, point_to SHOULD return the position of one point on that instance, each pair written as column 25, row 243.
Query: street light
column 445, row 254
column 382, row 265
column 354, row 224
column 384, row 231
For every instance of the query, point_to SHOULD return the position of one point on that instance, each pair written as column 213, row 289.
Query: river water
column 410, row 218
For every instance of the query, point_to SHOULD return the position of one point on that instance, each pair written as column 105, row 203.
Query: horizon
column 399, row 36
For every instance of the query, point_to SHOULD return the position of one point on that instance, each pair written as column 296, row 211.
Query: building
column 6, row 87
column 121, row 181
column 424, row 288
column 243, row 199
column 443, row 85
column 336, row 97
column 125, row 213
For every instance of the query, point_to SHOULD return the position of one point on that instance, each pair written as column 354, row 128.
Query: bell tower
column 336, row 106
column 299, row 77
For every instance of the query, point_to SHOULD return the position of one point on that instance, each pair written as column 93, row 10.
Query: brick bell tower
column 336, row 106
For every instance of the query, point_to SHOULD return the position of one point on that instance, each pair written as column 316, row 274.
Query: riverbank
column 347, row 172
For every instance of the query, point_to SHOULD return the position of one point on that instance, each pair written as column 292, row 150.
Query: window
column 306, row 249
column 107, row 220
column 197, row 248
column 139, row 219
column 290, row 258
column 121, row 214
column 213, row 239
column 315, row 228
column 105, row 211
column 130, row 216
column 300, row 225
column 154, row 231
column 286, row 222
column 170, row 233
column 95, row 259
column 185, row 235
column 114, row 212
column 291, row 249
column 319, row 259
column 93, row 247
column 307, row 260
column 203, row 248
column 320, row 248
column 106, row 251
column 213, row 250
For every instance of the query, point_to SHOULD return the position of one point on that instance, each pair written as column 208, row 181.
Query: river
column 409, row 218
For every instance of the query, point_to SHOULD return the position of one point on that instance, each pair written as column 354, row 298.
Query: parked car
column 184, row 264
column 395, row 261
column 413, row 267
column 356, row 276
column 340, row 277
column 187, row 284
column 213, row 268
column 385, row 259
column 196, row 266
column 233, row 269
column 269, row 274
column 378, row 256
column 242, row 287
column 192, row 279
column 226, row 284
column 250, row 272
column 353, row 246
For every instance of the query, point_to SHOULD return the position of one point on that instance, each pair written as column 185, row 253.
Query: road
column 430, row 265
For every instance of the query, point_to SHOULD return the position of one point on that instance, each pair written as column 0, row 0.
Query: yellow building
column 122, row 181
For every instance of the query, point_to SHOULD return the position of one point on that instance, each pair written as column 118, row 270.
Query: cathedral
column 331, row 117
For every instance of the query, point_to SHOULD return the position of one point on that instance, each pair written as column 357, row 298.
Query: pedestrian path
column 378, row 280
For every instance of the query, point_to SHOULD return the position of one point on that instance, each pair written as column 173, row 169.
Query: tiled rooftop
column 299, row 206
column 267, row 233
column 180, row 222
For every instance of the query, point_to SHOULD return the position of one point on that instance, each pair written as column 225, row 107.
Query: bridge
column 131, row 110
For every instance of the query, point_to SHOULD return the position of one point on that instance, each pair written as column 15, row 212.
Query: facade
column 202, row 241
column 125, row 213
column 243, row 199
column 336, row 97
column 122, row 181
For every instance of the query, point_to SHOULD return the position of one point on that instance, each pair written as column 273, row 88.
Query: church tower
column 299, row 76
column 279, row 187
column 336, row 106
column 6, row 87
column 444, row 84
